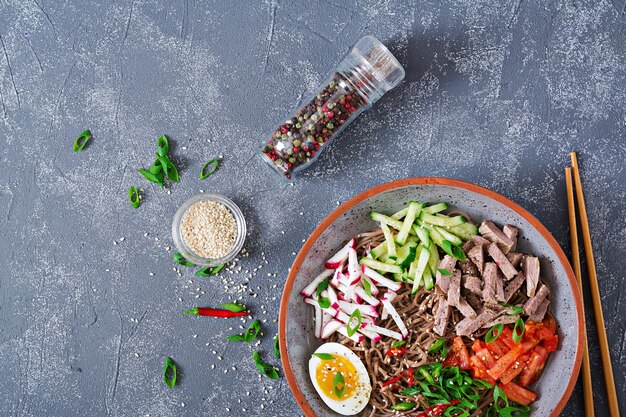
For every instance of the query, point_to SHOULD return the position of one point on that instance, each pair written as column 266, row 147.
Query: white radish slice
column 331, row 327
column 318, row 316
column 381, row 280
column 389, row 295
column 332, row 297
column 365, row 309
column 310, row 289
column 348, row 292
column 354, row 271
column 345, row 318
column 396, row 317
column 357, row 337
column 340, row 256
column 370, row 334
column 359, row 291
column 326, row 318
column 384, row 331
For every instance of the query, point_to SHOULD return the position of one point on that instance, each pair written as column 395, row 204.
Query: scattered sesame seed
column 114, row 243
column 151, row 274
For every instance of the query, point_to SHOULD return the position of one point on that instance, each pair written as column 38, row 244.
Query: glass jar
column 364, row 75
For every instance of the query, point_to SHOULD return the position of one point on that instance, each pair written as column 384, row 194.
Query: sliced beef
column 532, row 305
column 465, row 309
column 443, row 281
column 495, row 235
column 541, row 311
column 513, row 286
column 454, row 289
column 478, row 240
column 502, row 319
column 477, row 256
column 468, row 325
column 530, row 266
column 468, row 268
column 511, row 232
column 515, row 258
column 473, row 284
column 493, row 288
column 442, row 314
column 475, row 301
column 502, row 261
column 467, row 246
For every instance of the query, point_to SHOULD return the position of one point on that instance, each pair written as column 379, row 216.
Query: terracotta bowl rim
column 447, row 182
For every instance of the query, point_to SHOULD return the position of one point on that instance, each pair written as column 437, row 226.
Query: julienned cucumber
column 428, row 279
column 400, row 214
column 465, row 231
column 449, row 236
column 436, row 208
column 423, row 235
column 381, row 218
column 441, row 220
column 379, row 250
column 380, row 266
column 406, row 254
column 422, row 263
column 411, row 214
column 391, row 246
column 433, row 260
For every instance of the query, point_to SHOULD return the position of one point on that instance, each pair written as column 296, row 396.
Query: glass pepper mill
column 364, row 75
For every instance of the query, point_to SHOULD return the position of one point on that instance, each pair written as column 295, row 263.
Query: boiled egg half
column 340, row 378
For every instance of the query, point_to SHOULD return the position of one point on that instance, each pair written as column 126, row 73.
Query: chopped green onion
column 204, row 174
column 207, row 271
column 133, row 197
column 252, row 331
column 367, row 286
column 494, row 332
column 498, row 394
column 265, row 369
column 169, row 168
column 324, row 356
column 404, row 406
column 516, row 309
column 81, row 140
column 398, row 343
column 163, row 145
column 444, row 272
column 181, row 260
column 155, row 178
column 322, row 286
column 340, row 384
column 356, row 315
column 276, row 347
column 323, row 302
column 518, row 330
column 234, row 307
column 236, row 338
column 436, row 347
column 169, row 367
column 156, row 167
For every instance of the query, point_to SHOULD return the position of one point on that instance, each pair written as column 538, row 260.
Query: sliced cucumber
column 435, row 235
column 449, row 236
column 441, row 220
column 379, row 250
column 399, row 215
column 423, row 235
column 384, row 258
column 433, row 260
column 391, row 245
column 465, row 231
column 381, row 266
column 436, row 208
column 422, row 263
column 406, row 255
column 411, row 214
column 381, row 218
column 428, row 279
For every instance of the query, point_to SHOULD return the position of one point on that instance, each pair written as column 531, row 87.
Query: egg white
column 360, row 398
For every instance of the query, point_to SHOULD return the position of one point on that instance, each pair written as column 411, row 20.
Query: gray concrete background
column 496, row 93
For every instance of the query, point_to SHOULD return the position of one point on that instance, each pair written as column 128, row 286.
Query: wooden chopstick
column 573, row 231
column 605, row 355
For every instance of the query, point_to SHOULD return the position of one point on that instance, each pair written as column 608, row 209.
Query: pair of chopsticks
column 595, row 291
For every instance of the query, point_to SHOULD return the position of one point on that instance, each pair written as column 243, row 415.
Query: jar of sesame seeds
column 209, row 230
column 368, row 72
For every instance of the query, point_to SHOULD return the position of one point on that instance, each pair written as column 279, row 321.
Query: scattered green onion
column 81, row 140
column 404, row 406
column 163, row 145
column 181, row 260
column 252, row 331
column 169, row 168
column 324, row 356
column 234, row 307
column 367, row 286
column 265, row 369
column 516, row 309
column 356, row 315
column 323, row 302
column 444, row 272
column 276, row 347
column 436, row 347
column 494, row 332
column 339, row 384
column 518, row 330
column 236, row 338
column 155, row 178
column 398, row 343
column 322, row 286
column 207, row 271
column 204, row 174
column 133, row 197
column 169, row 367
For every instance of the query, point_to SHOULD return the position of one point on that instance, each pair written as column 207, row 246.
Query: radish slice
column 381, row 280
column 389, row 295
column 359, row 291
column 357, row 337
column 326, row 318
column 332, row 297
column 310, row 289
column 354, row 273
column 365, row 309
column 396, row 317
column 340, row 256
column 348, row 292
column 318, row 316
column 384, row 331
column 331, row 327
column 370, row 334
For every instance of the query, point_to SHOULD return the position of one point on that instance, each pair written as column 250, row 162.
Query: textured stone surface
column 496, row 93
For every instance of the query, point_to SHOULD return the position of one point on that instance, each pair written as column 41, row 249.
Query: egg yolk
column 325, row 376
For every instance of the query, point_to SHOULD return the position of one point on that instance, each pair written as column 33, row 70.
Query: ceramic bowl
column 297, row 340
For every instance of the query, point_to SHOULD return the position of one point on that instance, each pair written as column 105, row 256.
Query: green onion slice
column 252, row 331
column 234, row 307
column 169, row 367
column 169, row 168
column 398, row 343
column 355, row 316
column 133, row 197
column 236, row 338
column 276, row 347
column 494, row 332
column 498, row 394
column 444, row 272
column 265, row 369
column 367, row 286
column 324, row 356
column 204, row 174
column 155, row 178
column 323, row 302
column 322, row 286
column 404, row 406
column 516, row 309
column 209, row 270
column 339, row 384
column 436, row 347
column 81, row 140
column 181, row 260
column 156, row 167
column 518, row 330
column 163, row 145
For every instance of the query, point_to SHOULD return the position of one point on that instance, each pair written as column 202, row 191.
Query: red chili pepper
column 393, row 380
column 214, row 312
column 409, row 377
column 397, row 351
column 437, row 410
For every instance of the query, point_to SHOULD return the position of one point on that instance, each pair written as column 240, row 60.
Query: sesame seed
column 209, row 229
